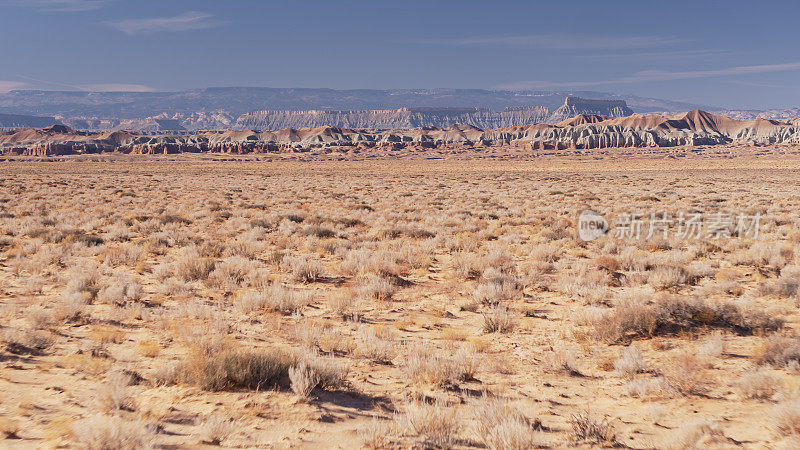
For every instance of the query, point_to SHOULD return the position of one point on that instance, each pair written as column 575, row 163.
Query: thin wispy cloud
column 661, row 54
column 116, row 87
column 36, row 83
column 648, row 76
column 62, row 5
column 6, row 86
column 558, row 41
column 192, row 20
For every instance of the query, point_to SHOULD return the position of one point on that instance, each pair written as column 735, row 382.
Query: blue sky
column 728, row 53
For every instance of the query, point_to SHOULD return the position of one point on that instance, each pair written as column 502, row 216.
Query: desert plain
column 188, row 302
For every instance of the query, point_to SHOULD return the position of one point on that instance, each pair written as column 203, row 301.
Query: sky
column 736, row 54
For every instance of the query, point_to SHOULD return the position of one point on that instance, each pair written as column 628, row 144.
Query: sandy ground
column 404, row 253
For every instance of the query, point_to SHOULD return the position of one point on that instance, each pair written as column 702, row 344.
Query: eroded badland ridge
column 694, row 128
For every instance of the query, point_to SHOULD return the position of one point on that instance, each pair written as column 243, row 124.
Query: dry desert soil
column 188, row 303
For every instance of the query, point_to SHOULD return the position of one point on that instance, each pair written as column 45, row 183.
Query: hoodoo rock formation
column 579, row 132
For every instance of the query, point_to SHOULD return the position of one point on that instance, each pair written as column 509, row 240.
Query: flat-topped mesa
column 392, row 119
column 25, row 121
column 585, row 131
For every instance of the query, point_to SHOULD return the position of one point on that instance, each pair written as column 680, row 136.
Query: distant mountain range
column 276, row 108
column 218, row 108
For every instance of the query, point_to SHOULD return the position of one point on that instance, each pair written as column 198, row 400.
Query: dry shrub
column 364, row 261
column 303, row 380
column 454, row 334
column 697, row 270
column 123, row 255
column 285, row 300
column 427, row 364
column 696, row 434
column 631, row 319
column 346, row 304
column 417, row 255
column 758, row 384
column 643, row 387
column 787, row 285
column 19, row 341
column 376, row 433
column 498, row 289
column 500, row 319
column 190, row 265
column 378, row 345
column 468, row 265
column 250, row 301
column 83, row 279
column 112, row 433
column 563, row 359
column 39, row 318
column 331, row 374
column 589, row 285
column 71, row 307
column 120, row 289
column 549, row 252
column 376, row 287
column 779, row 350
column 713, row 346
column 305, row 269
column 666, row 277
column 216, row 428
column 684, row 373
column 634, row 259
column 434, row 424
column 231, row 368
column 608, row 263
column 763, row 253
column 588, row 428
column 230, row 273
column 105, row 333
column 247, row 246
column 630, row 363
column 276, row 298
column 502, row 427
column 148, row 349
column 113, row 394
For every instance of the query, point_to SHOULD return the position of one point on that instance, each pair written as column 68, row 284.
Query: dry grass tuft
column 433, row 424
column 112, row 432
column 113, row 395
column 634, row 318
column 216, row 428
column 303, row 380
column 376, row 433
column 502, row 427
column 586, row 427
column 232, row 368
column 500, row 319
column 758, row 384
column 779, row 350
